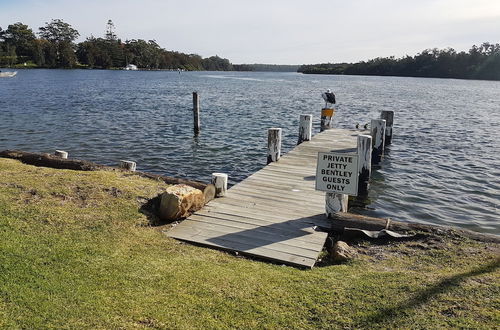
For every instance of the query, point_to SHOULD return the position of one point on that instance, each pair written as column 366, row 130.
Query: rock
column 342, row 252
column 179, row 201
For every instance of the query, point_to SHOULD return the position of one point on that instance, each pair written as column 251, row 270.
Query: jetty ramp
column 275, row 213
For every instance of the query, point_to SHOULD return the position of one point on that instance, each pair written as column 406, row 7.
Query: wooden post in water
column 273, row 144
column 364, row 163
column 377, row 130
column 388, row 115
column 219, row 180
column 196, row 113
column 326, row 118
column 60, row 153
column 128, row 165
column 335, row 203
column 305, row 128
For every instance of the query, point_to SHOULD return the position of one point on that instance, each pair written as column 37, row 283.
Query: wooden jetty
column 275, row 213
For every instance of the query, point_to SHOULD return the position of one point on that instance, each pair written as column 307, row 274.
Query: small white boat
column 132, row 67
column 7, row 74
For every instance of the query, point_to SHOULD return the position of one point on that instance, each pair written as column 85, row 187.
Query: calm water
column 443, row 166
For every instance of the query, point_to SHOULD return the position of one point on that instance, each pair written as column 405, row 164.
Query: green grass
column 75, row 252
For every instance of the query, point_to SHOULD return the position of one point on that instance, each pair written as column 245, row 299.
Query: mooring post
column 335, row 203
column 60, row 153
column 388, row 115
column 326, row 118
column 377, row 130
column 305, row 128
column 364, row 163
column 219, row 180
column 273, row 144
column 128, row 165
column 196, row 112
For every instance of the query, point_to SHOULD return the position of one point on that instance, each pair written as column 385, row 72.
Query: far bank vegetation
column 480, row 62
column 55, row 47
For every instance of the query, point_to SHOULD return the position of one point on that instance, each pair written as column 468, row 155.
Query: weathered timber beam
column 351, row 220
column 48, row 160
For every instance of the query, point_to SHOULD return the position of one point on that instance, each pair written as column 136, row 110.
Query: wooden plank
column 284, row 209
column 258, row 238
column 278, row 179
column 283, row 229
column 257, row 182
column 292, row 194
column 264, row 197
column 310, row 220
column 235, row 243
column 242, row 248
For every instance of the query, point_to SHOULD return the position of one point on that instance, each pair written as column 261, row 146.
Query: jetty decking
column 274, row 213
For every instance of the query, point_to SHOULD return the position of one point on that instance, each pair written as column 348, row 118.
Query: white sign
column 337, row 173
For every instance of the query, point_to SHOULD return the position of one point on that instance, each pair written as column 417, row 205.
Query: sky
column 276, row 31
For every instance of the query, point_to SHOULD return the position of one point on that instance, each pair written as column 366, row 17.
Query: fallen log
column 343, row 220
column 52, row 161
column 48, row 160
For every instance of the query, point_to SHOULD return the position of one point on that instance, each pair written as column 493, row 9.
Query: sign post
column 337, row 173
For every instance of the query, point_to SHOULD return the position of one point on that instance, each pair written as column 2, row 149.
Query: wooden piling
column 273, row 144
column 219, row 180
column 388, row 115
column 335, row 203
column 326, row 118
column 60, row 153
column 364, row 163
column 377, row 130
column 128, row 165
column 305, row 128
column 196, row 113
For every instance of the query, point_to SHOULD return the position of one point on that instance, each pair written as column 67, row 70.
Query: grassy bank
column 75, row 252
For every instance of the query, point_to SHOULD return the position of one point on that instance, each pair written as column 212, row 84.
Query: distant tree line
column 480, row 62
column 265, row 67
column 54, row 47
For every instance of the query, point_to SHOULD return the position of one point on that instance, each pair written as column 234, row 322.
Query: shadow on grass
column 151, row 210
column 388, row 314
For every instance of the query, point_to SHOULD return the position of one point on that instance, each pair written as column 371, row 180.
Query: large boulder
column 180, row 201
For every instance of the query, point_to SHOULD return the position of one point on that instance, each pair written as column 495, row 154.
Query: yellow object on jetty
column 327, row 112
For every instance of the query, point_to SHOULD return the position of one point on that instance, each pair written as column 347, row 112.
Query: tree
column 61, row 35
column 20, row 37
column 110, row 31
column 481, row 62
column 144, row 54
column 101, row 53
column 58, row 31
column 215, row 63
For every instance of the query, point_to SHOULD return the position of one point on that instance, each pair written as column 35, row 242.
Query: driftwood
column 47, row 160
column 350, row 220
